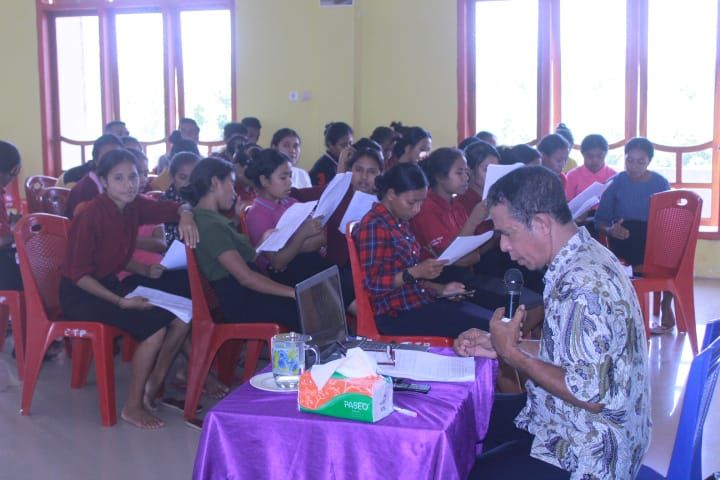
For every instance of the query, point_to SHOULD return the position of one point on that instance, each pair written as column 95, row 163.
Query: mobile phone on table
column 462, row 293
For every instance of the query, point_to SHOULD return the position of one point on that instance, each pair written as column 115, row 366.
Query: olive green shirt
column 217, row 236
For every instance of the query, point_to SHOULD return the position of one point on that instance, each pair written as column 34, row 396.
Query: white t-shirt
column 300, row 178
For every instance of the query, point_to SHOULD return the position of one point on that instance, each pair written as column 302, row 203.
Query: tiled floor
column 63, row 438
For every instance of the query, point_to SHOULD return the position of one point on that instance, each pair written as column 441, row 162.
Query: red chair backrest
column 55, row 200
column 35, row 188
column 41, row 241
column 673, row 223
column 204, row 300
column 366, row 326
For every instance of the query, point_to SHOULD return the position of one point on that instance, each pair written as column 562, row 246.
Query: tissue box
column 366, row 399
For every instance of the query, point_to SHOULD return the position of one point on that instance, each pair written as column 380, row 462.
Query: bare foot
column 150, row 397
column 214, row 388
column 141, row 418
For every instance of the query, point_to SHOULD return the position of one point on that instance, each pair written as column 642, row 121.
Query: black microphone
column 513, row 287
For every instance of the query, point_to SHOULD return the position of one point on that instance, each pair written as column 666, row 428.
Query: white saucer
column 265, row 381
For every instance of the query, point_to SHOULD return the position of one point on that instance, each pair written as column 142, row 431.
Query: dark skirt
column 305, row 265
column 632, row 249
column 239, row 304
column 490, row 291
column 77, row 304
column 443, row 318
column 9, row 270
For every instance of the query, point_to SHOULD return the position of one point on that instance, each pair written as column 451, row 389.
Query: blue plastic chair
column 712, row 331
column 686, row 460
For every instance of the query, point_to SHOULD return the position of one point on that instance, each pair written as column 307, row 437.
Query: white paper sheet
column 332, row 196
column 360, row 204
column 461, row 246
column 175, row 258
column 495, row 173
column 287, row 226
column 429, row 367
column 584, row 208
column 180, row 306
column 594, row 190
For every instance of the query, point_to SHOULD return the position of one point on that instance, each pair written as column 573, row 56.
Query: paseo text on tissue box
column 367, row 399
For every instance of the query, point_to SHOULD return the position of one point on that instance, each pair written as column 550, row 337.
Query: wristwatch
column 407, row 276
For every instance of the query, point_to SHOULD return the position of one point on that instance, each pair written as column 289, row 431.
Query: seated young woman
column 181, row 165
column 554, row 150
column 413, row 144
column 226, row 257
column 100, row 244
column 9, row 270
column 300, row 258
column 287, row 141
column 365, row 163
column 89, row 185
column 623, row 214
column 404, row 297
column 338, row 136
column 443, row 218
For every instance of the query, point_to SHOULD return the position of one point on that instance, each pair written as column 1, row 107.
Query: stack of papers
column 287, row 226
column 180, row 306
column 427, row 366
column 332, row 196
column 360, row 204
column 461, row 246
column 586, row 199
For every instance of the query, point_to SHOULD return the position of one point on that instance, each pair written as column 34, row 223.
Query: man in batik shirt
column 586, row 414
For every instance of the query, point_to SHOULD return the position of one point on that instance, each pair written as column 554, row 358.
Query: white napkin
column 356, row 364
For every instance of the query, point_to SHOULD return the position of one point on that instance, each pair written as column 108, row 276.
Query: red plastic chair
column 55, row 200
column 673, row 224
column 366, row 326
column 155, row 194
column 208, row 336
column 41, row 241
column 35, row 187
column 12, row 306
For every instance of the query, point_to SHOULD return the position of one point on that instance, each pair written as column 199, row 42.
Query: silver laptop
column 322, row 316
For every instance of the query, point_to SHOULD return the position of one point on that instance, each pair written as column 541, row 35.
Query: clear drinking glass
column 288, row 358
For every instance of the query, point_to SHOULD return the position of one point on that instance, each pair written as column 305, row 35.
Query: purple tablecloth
column 253, row 434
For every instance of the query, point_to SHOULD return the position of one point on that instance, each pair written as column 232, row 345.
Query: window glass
column 506, row 37
column 206, row 47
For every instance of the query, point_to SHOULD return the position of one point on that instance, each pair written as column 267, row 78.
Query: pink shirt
column 579, row 178
column 262, row 216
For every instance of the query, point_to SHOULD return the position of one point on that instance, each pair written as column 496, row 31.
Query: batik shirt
column 594, row 331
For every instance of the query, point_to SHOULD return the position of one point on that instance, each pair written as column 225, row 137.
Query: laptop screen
column 321, row 308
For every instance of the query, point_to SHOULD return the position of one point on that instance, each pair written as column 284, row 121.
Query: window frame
column 106, row 11
column 549, row 111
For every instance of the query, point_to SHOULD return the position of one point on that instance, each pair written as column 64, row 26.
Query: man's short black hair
column 640, row 143
column 529, row 191
column 251, row 122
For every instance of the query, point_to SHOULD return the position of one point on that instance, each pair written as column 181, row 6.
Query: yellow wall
column 19, row 83
column 378, row 61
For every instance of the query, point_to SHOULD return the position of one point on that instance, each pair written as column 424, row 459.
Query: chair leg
column 38, row 341
column 4, row 318
column 128, row 348
column 198, row 367
column 252, row 354
column 685, row 307
column 228, row 357
column 105, row 377
column 82, row 349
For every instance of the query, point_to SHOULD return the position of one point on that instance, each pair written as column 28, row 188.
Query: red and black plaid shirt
column 386, row 247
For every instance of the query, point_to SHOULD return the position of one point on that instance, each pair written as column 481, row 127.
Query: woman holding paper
column 624, row 209
column 442, row 219
column 405, row 300
column 226, row 257
column 100, row 243
column 300, row 257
